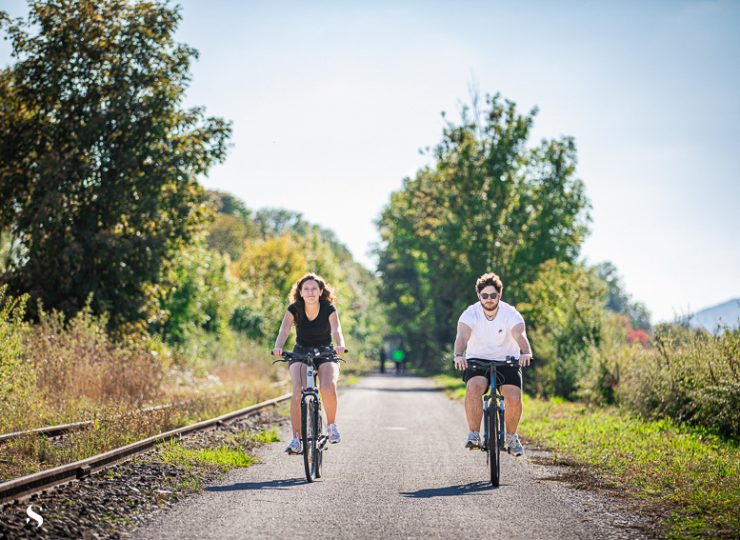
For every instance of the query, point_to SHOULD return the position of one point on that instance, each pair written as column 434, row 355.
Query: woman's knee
column 329, row 386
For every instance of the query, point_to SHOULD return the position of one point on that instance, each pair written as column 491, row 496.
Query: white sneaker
column 295, row 446
column 514, row 444
column 334, row 436
column 473, row 442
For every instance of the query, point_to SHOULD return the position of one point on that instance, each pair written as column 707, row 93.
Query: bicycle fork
column 501, row 411
column 501, row 416
column 321, row 438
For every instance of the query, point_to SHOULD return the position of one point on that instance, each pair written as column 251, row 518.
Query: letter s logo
column 33, row 515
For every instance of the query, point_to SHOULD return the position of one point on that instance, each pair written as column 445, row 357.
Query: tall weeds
column 78, row 360
column 17, row 375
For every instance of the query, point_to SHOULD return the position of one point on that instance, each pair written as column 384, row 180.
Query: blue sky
column 331, row 101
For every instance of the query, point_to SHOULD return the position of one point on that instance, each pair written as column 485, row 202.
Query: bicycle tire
column 494, row 447
column 320, row 435
column 308, row 432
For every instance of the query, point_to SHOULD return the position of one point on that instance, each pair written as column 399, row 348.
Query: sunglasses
column 486, row 296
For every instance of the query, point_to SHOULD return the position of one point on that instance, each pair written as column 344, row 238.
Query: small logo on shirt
column 500, row 330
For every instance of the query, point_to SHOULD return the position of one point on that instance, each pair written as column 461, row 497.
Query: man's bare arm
column 461, row 342
column 520, row 336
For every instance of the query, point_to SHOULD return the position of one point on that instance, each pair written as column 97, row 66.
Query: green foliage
column 98, row 158
column 223, row 457
column 17, row 374
column 232, row 226
column 564, row 312
column 196, row 292
column 689, row 375
column 488, row 204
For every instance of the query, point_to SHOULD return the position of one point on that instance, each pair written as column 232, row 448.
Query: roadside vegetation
column 124, row 283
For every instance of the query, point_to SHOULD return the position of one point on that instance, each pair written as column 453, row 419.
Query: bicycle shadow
column 254, row 486
column 449, row 491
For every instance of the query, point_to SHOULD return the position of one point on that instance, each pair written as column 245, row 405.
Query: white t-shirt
column 491, row 340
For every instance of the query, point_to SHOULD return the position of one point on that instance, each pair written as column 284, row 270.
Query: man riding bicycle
column 492, row 330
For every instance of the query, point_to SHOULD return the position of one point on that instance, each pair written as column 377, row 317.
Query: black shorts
column 298, row 349
column 504, row 375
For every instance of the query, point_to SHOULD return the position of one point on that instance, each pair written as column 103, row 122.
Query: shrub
column 689, row 375
column 17, row 375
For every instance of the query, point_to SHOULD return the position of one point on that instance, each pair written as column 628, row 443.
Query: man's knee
column 512, row 395
column 476, row 387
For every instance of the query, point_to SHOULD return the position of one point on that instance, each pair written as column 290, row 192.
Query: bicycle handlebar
column 512, row 361
column 326, row 352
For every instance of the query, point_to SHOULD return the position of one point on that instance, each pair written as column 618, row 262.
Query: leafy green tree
column 196, row 292
column 565, row 317
column 98, row 157
column 489, row 203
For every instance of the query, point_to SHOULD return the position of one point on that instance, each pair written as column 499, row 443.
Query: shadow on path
column 450, row 491
column 251, row 486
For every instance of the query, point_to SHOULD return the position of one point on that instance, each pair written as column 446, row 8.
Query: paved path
column 400, row 472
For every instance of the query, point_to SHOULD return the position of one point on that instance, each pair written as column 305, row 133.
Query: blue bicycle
column 494, row 433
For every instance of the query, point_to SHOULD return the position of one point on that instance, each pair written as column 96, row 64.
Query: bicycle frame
column 313, row 436
column 493, row 400
column 494, row 430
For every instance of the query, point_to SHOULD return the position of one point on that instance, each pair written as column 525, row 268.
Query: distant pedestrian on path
column 398, row 357
column 382, row 360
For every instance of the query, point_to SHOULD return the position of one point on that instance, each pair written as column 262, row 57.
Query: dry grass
column 58, row 371
column 78, row 361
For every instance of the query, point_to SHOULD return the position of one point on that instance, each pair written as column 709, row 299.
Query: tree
column 488, row 203
column 98, row 158
column 565, row 320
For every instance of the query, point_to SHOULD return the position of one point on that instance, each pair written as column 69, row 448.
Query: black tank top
column 313, row 333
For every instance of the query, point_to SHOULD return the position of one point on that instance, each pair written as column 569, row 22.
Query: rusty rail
column 25, row 486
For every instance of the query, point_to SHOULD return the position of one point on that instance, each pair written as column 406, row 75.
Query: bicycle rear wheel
column 309, row 432
column 494, row 448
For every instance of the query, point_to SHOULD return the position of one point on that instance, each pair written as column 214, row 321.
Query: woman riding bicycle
column 317, row 322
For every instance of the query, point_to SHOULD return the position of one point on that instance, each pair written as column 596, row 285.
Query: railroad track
column 25, row 486
column 64, row 429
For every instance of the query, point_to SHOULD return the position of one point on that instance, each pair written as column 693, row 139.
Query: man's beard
column 489, row 309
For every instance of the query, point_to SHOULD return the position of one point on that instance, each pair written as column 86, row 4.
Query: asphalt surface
column 401, row 471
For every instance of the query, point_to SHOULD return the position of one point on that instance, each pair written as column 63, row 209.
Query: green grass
column 224, row 457
column 688, row 475
column 349, row 380
column 233, row 453
column 454, row 386
column 251, row 440
column 694, row 474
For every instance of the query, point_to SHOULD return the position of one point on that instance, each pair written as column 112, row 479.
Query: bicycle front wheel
column 321, row 438
column 494, row 447
column 309, row 432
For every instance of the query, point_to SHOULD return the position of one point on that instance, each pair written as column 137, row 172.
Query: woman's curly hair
column 295, row 293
